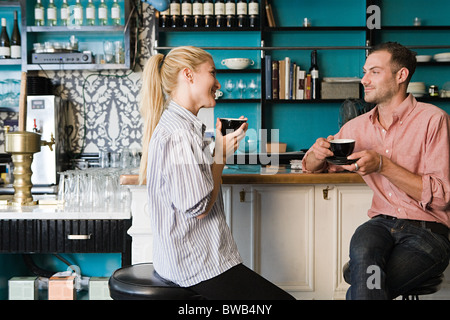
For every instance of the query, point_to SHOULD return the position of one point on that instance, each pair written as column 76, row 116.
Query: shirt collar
column 400, row 113
column 197, row 124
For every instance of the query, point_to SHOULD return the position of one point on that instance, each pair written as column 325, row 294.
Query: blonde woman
column 193, row 246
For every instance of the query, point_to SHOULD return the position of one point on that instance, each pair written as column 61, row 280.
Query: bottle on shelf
column 51, row 13
column 208, row 13
column 230, row 12
column 78, row 13
column 39, row 14
column 219, row 12
column 102, row 13
column 64, row 13
column 115, row 13
column 16, row 47
column 5, row 46
column 175, row 13
column 197, row 12
column 314, row 72
column 164, row 18
column 253, row 13
column 186, row 13
column 90, row 14
column 242, row 13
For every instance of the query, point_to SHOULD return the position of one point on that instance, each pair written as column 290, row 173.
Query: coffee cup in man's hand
column 342, row 148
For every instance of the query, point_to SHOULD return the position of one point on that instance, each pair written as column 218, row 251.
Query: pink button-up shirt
column 419, row 141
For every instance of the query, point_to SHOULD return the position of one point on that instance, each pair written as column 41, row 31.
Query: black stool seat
column 141, row 282
column 430, row 286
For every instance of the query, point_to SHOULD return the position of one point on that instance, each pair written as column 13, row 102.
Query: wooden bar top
column 235, row 177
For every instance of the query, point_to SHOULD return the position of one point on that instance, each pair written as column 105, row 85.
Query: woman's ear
column 188, row 74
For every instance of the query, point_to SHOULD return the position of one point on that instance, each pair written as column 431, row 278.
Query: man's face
column 379, row 81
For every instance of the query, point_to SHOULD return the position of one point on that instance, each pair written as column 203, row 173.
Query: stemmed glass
column 229, row 86
column 241, row 86
column 253, row 86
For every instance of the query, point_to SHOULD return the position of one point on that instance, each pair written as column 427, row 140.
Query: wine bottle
column 16, row 48
column 186, row 13
column 253, row 12
column 38, row 14
column 314, row 72
column 5, row 46
column 102, row 13
column 78, row 13
column 197, row 11
column 219, row 12
column 242, row 13
column 64, row 13
column 208, row 13
column 115, row 13
column 175, row 13
column 230, row 12
column 51, row 13
column 90, row 14
column 164, row 18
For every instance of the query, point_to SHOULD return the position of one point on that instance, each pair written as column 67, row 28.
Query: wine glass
column 229, row 86
column 253, row 86
column 241, row 85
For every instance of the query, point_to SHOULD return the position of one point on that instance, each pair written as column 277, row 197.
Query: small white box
column 98, row 288
column 23, row 288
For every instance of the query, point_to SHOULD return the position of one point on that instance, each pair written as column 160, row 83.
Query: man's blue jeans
column 390, row 257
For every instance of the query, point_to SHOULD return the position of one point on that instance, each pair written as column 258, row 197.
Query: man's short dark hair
column 400, row 56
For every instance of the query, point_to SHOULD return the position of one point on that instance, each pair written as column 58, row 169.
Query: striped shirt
column 186, row 250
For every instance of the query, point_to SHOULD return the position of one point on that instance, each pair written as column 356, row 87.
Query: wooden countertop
column 279, row 178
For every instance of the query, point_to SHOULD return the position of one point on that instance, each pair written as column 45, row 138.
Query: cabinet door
column 273, row 227
column 350, row 206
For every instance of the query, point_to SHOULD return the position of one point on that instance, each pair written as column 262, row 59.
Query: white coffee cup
column 219, row 94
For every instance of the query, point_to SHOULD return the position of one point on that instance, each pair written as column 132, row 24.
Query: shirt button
column 390, row 194
column 399, row 210
column 387, row 151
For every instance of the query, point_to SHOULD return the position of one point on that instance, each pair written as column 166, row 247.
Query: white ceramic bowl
column 237, row 63
column 423, row 58
column 442, row 57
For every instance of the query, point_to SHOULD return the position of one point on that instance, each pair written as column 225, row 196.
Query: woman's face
column 204, row 85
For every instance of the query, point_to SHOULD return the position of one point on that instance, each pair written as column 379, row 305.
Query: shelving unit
column 90, row 38
column 342, row 40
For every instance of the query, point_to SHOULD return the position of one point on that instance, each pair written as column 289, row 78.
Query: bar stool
column 430, row 286
column 141, row 282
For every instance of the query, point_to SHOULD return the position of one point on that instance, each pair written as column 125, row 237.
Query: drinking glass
column 229, row 86
column 253, row 86
column 115, row 160
column 241, row 85
column 108, row 49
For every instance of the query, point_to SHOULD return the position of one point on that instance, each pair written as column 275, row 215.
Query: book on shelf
column 269, row 14
column 285, row 80
column 282, row 79
column 268, row 69
column 308, row 87
column 275, row 80
column 300, row 84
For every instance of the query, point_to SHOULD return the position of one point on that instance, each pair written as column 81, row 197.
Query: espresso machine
column 46, row 116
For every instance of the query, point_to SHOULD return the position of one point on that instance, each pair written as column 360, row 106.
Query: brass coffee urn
column 22, row 145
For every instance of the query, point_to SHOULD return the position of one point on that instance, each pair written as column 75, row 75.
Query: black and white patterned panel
column 103, row 110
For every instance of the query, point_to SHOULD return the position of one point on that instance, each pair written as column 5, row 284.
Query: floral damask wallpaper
column 103, row 106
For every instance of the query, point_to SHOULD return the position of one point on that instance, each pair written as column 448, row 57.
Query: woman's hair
column 159, row 81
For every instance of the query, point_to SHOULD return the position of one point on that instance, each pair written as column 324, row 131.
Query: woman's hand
column 228, row 144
